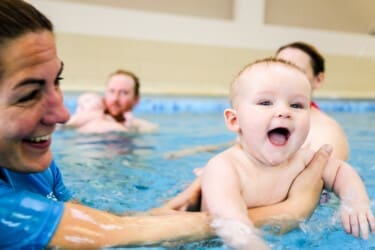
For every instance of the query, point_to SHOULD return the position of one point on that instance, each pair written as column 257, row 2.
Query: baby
column 270, row 113
column 90, row 117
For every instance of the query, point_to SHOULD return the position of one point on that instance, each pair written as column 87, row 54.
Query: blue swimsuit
column 30, row 207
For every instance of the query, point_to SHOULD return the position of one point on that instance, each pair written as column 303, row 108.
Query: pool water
column 119, row 172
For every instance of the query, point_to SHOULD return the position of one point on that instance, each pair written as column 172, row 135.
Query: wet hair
column 130, row 74
column 234, row 86
column 18, row 18
column 316, row 59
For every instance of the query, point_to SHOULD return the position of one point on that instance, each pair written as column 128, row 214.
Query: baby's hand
column 238, row 236
column 357, row 217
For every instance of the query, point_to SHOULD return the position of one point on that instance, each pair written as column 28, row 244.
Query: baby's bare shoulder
column 223, row 159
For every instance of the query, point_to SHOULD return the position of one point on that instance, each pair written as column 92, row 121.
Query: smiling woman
column 31, row 94
column 35, row 207
column 31, row 104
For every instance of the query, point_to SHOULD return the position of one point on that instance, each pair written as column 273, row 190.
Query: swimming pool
column 121, row 172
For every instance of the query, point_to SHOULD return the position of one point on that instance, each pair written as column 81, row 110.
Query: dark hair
column 130, row 74
column 17, row 18
column 316, row 59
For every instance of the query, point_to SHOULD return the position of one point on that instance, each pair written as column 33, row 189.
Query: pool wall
column 174, row 53
column 178, row 104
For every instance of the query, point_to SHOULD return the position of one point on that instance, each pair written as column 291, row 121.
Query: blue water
column 118, row 172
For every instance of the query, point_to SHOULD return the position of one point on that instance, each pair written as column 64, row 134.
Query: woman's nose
column 55, row 110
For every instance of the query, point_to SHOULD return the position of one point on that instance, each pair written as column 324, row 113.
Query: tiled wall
column 192, row 55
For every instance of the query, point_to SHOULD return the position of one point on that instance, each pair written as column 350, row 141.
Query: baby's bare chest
column 261, row 188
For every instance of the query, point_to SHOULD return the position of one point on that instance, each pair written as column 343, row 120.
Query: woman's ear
column 318, row 80
column 230, row 117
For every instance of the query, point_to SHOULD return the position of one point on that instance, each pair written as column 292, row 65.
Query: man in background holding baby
column 121, row 96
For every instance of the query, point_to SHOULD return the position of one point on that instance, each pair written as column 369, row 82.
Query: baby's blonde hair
column 234, row 86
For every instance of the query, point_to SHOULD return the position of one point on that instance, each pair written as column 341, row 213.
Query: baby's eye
column 265, row 103
column 297, row 106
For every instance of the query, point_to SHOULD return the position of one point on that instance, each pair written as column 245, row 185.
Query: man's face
column 120, row 95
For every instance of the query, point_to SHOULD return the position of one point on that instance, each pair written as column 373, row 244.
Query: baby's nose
column 283, row 113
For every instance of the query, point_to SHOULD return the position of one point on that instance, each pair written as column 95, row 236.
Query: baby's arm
column 221, row 190
column 74, row 121
column 222, row 197
column 80, row 119
column 356, row 214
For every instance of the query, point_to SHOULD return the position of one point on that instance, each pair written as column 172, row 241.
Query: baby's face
column 273, row 111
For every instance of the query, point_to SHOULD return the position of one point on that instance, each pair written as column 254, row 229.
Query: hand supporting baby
column 128, row 120
column 137, row 125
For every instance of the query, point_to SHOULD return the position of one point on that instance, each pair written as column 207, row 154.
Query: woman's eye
column 58, row 80
column 32, row 95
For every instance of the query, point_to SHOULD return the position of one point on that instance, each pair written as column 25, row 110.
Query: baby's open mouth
column 279, row 136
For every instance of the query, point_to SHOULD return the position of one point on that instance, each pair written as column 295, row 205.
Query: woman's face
column 31, row 101
column 302, row 60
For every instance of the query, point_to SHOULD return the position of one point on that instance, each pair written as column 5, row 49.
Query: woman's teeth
column 40, row 138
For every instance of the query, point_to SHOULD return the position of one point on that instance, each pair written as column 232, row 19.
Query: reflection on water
column 119, row 172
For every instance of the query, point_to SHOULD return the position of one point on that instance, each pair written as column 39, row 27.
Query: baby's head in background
column 90, row 101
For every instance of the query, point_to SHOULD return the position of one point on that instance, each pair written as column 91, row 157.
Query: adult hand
column 304, row 195
column 307, row 187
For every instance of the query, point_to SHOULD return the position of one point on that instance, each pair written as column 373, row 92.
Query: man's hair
column 18, row 18
column 132, row 75
column 316, row 59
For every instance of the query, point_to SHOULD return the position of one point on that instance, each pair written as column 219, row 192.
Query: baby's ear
column 230, row 117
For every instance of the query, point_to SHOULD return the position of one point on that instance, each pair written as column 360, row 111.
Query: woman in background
column 36, row 210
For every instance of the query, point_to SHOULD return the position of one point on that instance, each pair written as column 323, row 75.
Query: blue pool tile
column 172, row 105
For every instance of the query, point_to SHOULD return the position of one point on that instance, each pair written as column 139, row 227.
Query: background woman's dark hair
column 317, row 60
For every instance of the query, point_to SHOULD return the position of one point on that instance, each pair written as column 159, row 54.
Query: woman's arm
column 84, row 227
column 302, row 199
